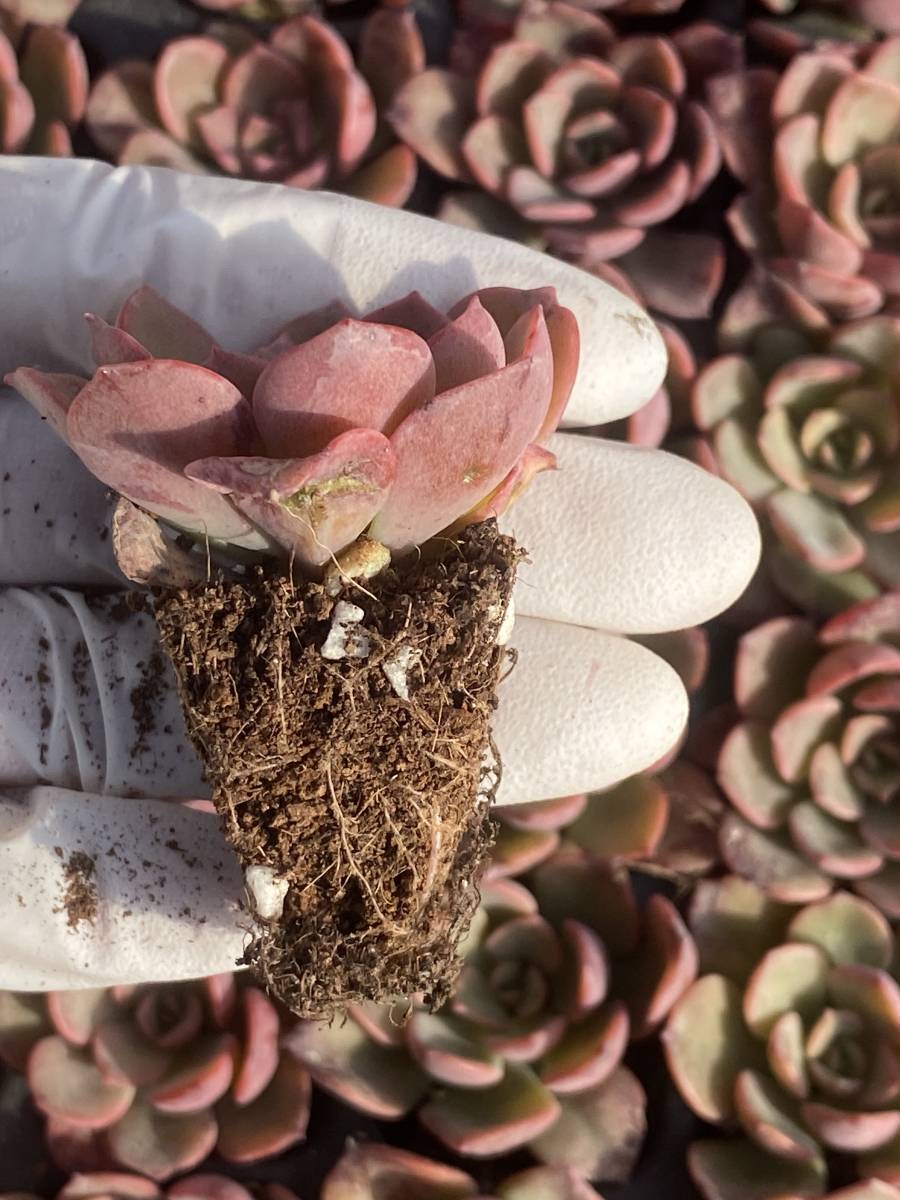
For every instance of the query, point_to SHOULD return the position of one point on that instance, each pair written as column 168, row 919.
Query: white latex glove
column 623, row 541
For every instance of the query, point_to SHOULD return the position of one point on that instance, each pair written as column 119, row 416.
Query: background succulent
column 813, row 767
column 809, row 430
column 294, row 109
column 558, row 976
column 43, row 91
column 792, row 1031
column 583, row 142
column 846, row 25
column 108, row 1185
column 374, row 1172
column 154, row 1078
column 816, row 147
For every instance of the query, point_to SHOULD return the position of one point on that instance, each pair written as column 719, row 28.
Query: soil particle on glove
column 370, row 798
column 79, row 901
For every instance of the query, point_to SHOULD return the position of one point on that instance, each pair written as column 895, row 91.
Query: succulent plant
column 582, row 142
column 374, row 1172
column 154, row 1078
column 43, row 91
column 558, row 976
column 812, row 769
column 294, row 110
column 792, row 1033
column 451, row 437
column 808, row 428
column 815, row 148
column 17, row 15
column 108, row 1185
column 823, row 24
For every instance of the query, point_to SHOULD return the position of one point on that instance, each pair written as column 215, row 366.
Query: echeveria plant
column 294, row 109
column 581, row 141
column 43, row 91
column 813, row 766
column 558, row 977
column 114, row 1185
column 791, row 1032
column 155, row 1078
column 401, row 424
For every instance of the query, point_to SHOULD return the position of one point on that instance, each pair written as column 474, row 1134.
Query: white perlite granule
column 267, row 890
column 345, row 641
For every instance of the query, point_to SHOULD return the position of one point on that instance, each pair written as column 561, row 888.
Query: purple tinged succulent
column 792, row 1033
column 807, row 427
column 816, row 148
column 374, row 1172
column 295, row 109
column 43, row 92
column 154, row 1078
column 401, row 424
column 558, row 977
column 582, row 142
column 110, row 1185
column 812, row 769
column 844, row 25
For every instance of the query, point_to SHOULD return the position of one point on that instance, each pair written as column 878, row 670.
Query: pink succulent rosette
column 807, row 426
column 816, row 148
column 114, row 1185
column 153, row 1079
column 295, row 109
column 791, row 1035
column 562, row 969
column 43, row 91
column 421, row 420
column 582, row 142
column 845, row 25
column 369, row 1171
column 812, row 769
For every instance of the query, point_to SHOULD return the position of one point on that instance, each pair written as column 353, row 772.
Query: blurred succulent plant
column 808, row 428
column 813, row 767
column 374, row 1172
column 479, row 395
column 582, row 142
column 17, row 15
column 294, row 110
column 154, row 1078
column 557, row 977
column 843, row 25
column 816, row 149
column 108, row 1185
column 43, row 91
column 792, row 1031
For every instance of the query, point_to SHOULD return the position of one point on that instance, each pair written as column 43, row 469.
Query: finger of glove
column 160, row 893
column 88, row 701
column 629, row 539
column 242, row 258
column 54, row 515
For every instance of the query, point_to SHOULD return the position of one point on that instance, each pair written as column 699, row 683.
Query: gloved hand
column 106, row 880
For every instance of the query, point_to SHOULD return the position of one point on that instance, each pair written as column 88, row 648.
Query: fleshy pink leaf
column 484, row 1122
column 163, row 329
column 459, row 447
column 66, row 1083
column 467, row 348
column 367, row 1171
column 50, row 395
column 274, row 1121
column 161, row 1145
column 23, row 1022
column 110, row 345
column 355, row 374
column 260, row 1053
column 198, row 1078
column 137, row 425
column 120, row 104
column 312, row 506
column 186, row 83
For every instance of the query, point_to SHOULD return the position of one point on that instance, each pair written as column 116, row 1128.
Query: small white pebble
column 267, row 891
column 396, row 668
column 504, row 633
column 343, row 640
